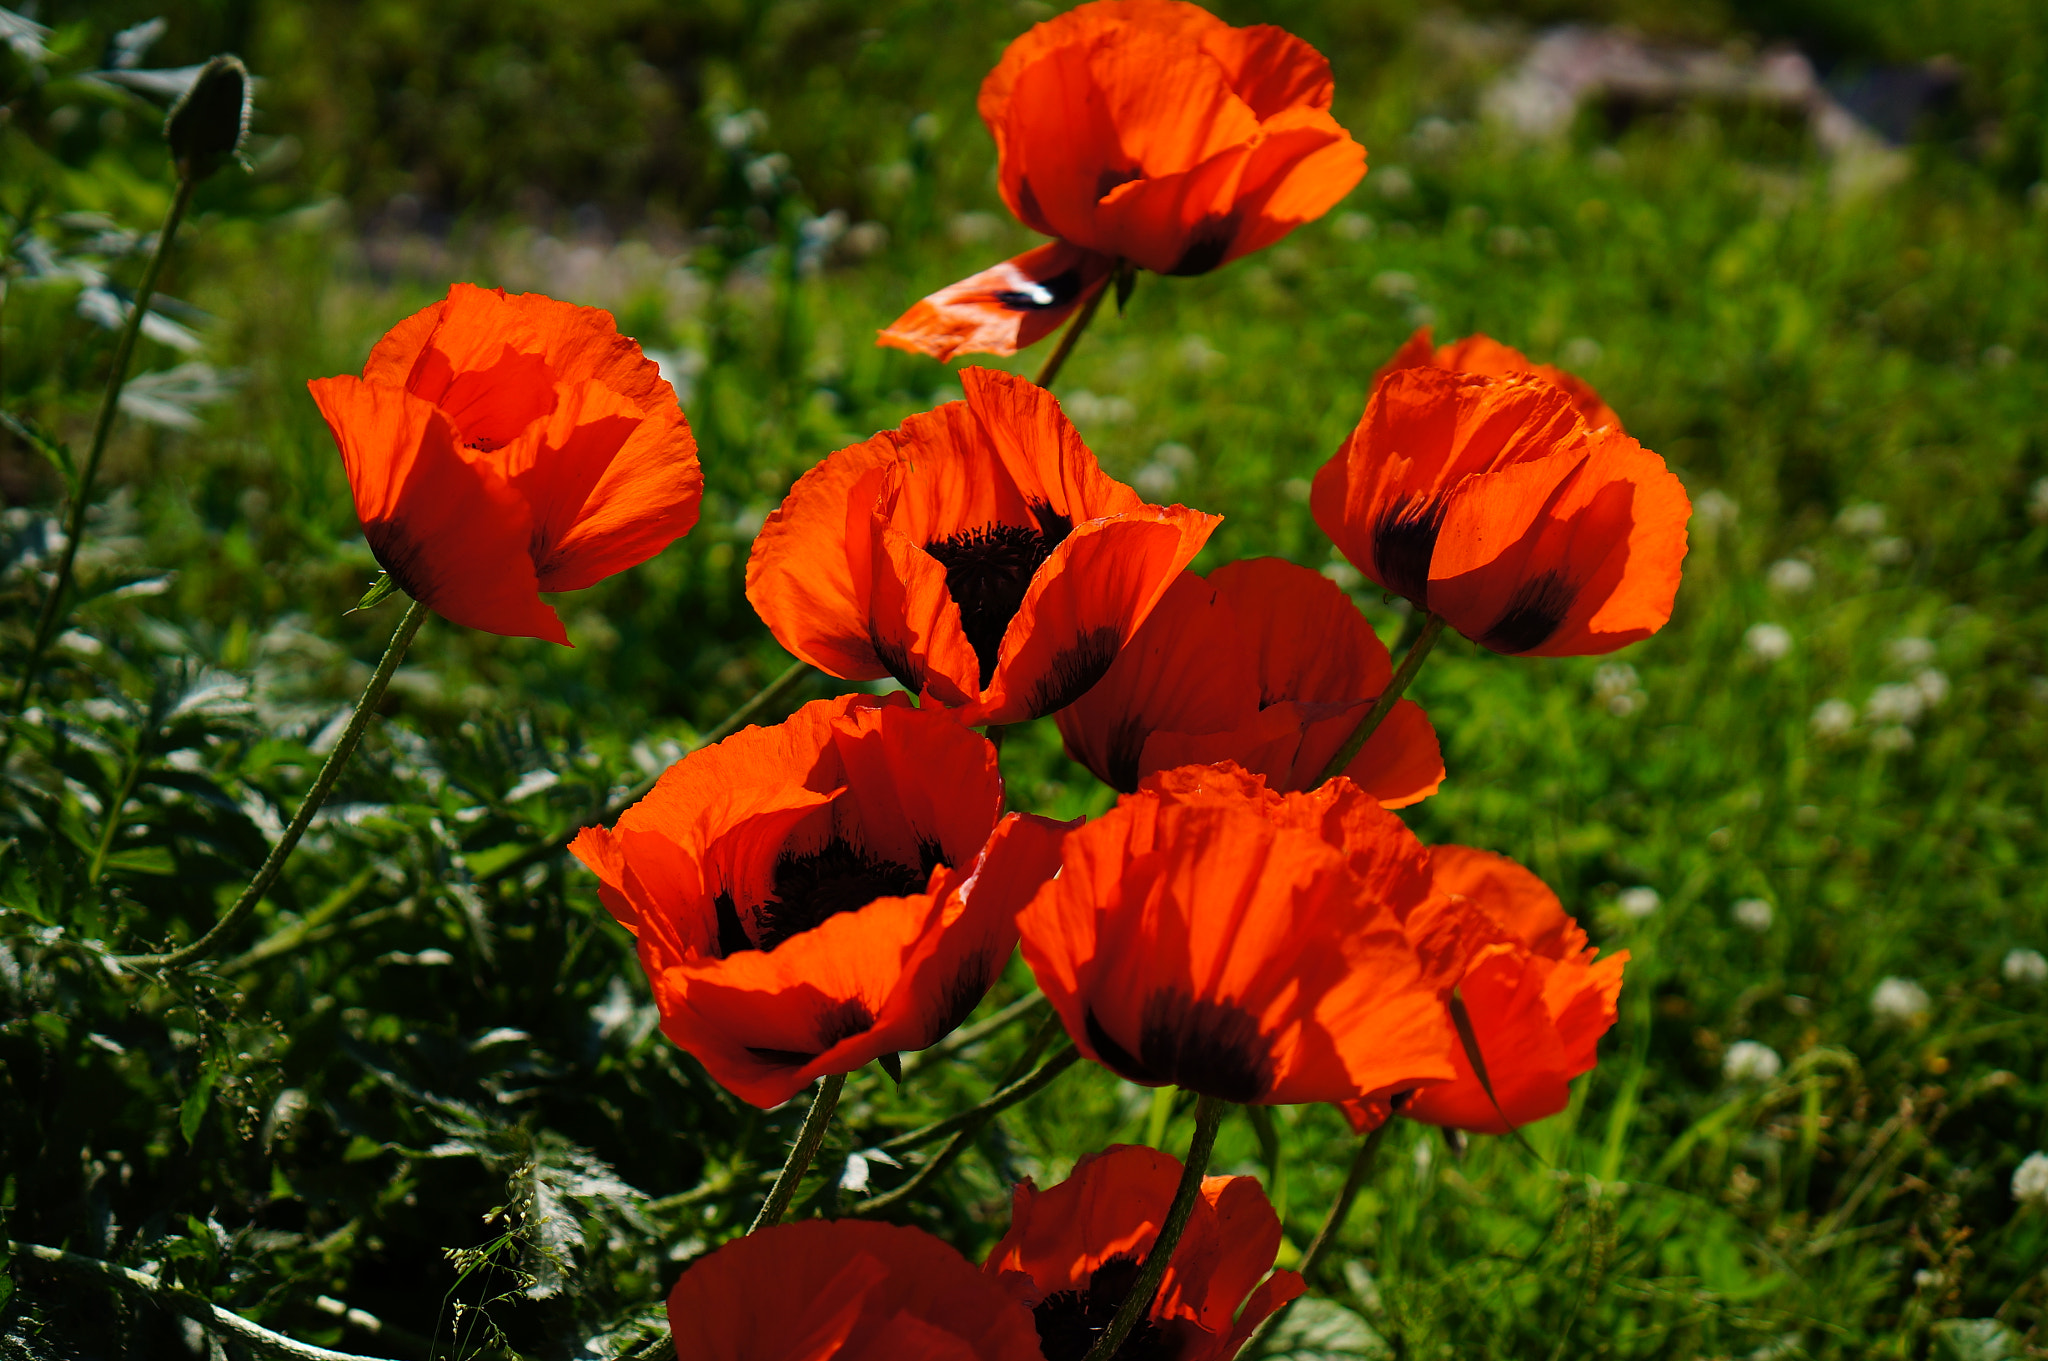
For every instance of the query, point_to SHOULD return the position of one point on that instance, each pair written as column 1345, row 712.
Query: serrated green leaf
column 144, row 860
column 382, row 589
column 54, row 450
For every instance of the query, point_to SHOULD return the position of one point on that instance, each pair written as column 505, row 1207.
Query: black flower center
column 1070, row 1321
column 1403, row 543
column 988, row 570
column 812, row 886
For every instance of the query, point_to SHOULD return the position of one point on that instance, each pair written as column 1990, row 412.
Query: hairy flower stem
column 800, row 1154
column 1354, row 1182
column 1072, row 335
column 259, row 1340
column 273, row 865
column 81, row 495
column 1138, row 1303
column 1384, row 705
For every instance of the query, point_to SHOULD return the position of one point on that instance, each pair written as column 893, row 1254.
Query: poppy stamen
column 813, row 886
column 1070, row 1321
column 988, row 571
column 1536, row 609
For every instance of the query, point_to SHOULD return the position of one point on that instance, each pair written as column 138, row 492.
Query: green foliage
column 427, row 1084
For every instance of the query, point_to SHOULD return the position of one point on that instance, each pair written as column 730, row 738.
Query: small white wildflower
column 1640, row 901
column 1892, row 738
column 1583, row 352
column 1749, row 1061
column 1890, row 551
column 1346, row 576
column 1616, row 678
column 1393, row 182
column 2030, row 1181
column 1894, row 704
column 1925, row 1279
column 1715, row 508
column 1833, row 717
column 2037, row 502
column 2025, row 966
column 1394, row 283
column 1353, row 226
column 1155, row 481
column 1998, row 357
column 1907, row 653
column 1900, row 1001
column 1768, row 642
column 1753, row 914
column 1865, row 520
column 1932, row 685
column 1199, row 357
column 1790, row 576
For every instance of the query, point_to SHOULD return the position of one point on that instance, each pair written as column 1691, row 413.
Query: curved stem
column 206, row 1314
column 1354, row 1182
column 1384, row 705
column 800, row 1154
column 273, row 865
column 962, row 1128
column 1138, row 1303
column 111, row 828
column 81, row 495
column 1072, row 335
column 764, row 697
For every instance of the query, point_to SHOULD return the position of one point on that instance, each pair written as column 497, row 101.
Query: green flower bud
column 206, row 126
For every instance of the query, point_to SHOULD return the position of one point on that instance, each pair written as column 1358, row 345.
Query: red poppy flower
column 977, row 553
column 1247, row 945
column 1538, row 999
column 844, row 1290
column 1266, row 664
column 1072, row 1253
column 1485, row 355
column 503, row 445
column 1490, row 501
column 1141, row 130
column 809, row 897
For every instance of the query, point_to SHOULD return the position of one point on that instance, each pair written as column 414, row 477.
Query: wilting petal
column 1005, row 308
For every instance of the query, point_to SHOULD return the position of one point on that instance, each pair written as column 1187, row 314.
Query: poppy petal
column 1401, row 764
column 1269, row 68
column 800, row 579
column 1309, row 638
column 1083, row 605
column 1002, row 309
column 1485, row 355
column 451, row 532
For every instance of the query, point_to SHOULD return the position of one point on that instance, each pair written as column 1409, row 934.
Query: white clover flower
column 1753, row 914
column 1892, row 738
column 1894, row 704
column 1749, row 1061
column 2025, row 966
column 1833, row 717
column 1890, row 551
column 1790, row 576
column 2037, row 503
column 1640, row 901
column 2030, row 1181
column 1617, row 686
column 1865, row 520
column 1768, row 642
column 1900, row 1001
column 1907, row 653
column 1712, row 508
column 1932, row 685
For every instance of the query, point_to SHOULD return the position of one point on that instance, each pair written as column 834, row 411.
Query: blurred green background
column 432, row 1044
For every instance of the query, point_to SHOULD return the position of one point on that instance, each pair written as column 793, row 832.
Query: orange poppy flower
column 1266, row 664
column 1490, row 501
column 500, row 445
column 1209, row 933
column 977, row 553
column 1072, row 1253
column 1538, row 1000
column 844, row 1290
column 809, row 897
column 1140, row 130
column 1485, row 355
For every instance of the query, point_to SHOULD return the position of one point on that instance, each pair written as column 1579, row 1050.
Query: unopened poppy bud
column 207, row 124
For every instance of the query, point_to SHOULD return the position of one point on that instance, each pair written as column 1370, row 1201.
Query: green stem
column 111, row 828
column 1384, row 705
column 366, row 707
column 1138, row 1303
column 81, row 495
column 1072, row 335
column 768, row 695
column 206, row 1314
column 800, row 1154
column 1333, row 1223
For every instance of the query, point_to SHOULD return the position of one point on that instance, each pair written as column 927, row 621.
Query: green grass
column 443, row 1042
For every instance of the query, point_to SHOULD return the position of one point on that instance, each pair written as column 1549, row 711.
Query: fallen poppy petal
column 1004, row 308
